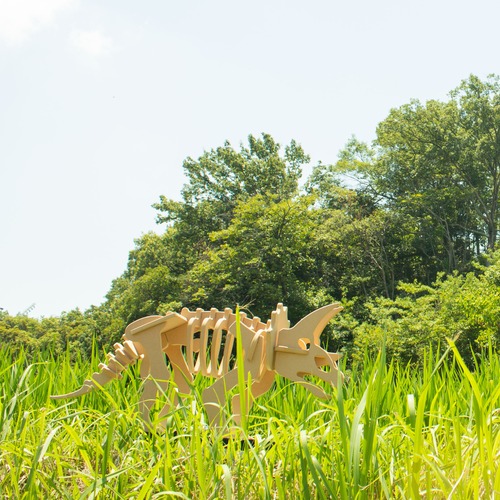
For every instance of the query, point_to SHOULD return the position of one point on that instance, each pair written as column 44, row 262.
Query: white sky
column 100, row 102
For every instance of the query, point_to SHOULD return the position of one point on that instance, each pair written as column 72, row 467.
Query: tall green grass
column 389, row 432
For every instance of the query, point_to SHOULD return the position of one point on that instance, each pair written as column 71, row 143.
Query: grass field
column 391, row 431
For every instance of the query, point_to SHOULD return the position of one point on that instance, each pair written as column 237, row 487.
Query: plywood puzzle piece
column 203, row 342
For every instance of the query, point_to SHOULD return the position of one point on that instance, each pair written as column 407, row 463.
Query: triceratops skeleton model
column 192, row 341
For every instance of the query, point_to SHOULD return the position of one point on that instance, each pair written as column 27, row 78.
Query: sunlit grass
column 389, row 432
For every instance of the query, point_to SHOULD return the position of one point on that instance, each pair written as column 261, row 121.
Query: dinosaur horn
column 312, row 325
column 124, row 355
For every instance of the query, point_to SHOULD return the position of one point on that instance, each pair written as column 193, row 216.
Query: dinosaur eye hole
column 304, row 344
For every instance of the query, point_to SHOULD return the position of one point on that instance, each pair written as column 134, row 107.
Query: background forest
column 403, row 232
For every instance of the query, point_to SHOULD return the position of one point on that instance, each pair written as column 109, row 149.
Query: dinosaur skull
column 298, row 354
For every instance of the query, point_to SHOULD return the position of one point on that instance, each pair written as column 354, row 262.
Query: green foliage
column 439, row 163
column 70, row 331
column 219, row 180
column 464, row 307
column 364, row 256
column 224, row 176
column 262, row 258
column 241, row 235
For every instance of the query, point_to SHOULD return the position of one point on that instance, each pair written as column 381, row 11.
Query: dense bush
column 462, row 307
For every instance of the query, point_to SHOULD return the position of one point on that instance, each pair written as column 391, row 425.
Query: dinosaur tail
column 123, row 356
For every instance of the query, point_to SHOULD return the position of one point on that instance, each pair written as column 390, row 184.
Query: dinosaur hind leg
column 257, row 389
column 214, row 397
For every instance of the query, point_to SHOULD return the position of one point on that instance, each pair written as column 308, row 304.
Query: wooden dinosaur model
column 202, row 342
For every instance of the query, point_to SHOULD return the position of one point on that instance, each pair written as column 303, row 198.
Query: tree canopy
column 439, row 163
column 403, row 231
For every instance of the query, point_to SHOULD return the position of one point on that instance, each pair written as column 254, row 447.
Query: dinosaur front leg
column 147, row 400
column 181, row 377
column 156, row 376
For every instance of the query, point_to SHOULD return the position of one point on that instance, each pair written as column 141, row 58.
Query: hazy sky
column 100, row 102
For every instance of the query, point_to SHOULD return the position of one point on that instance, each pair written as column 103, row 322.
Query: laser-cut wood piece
column 202, row 342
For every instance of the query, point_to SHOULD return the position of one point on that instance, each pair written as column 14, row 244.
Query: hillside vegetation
column 403, row 232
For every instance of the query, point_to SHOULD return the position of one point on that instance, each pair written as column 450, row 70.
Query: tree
column 362, row 247
column 224, row 176
column 218, row 181
column 262, row 258
column 478, row 137
column 439, row 163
